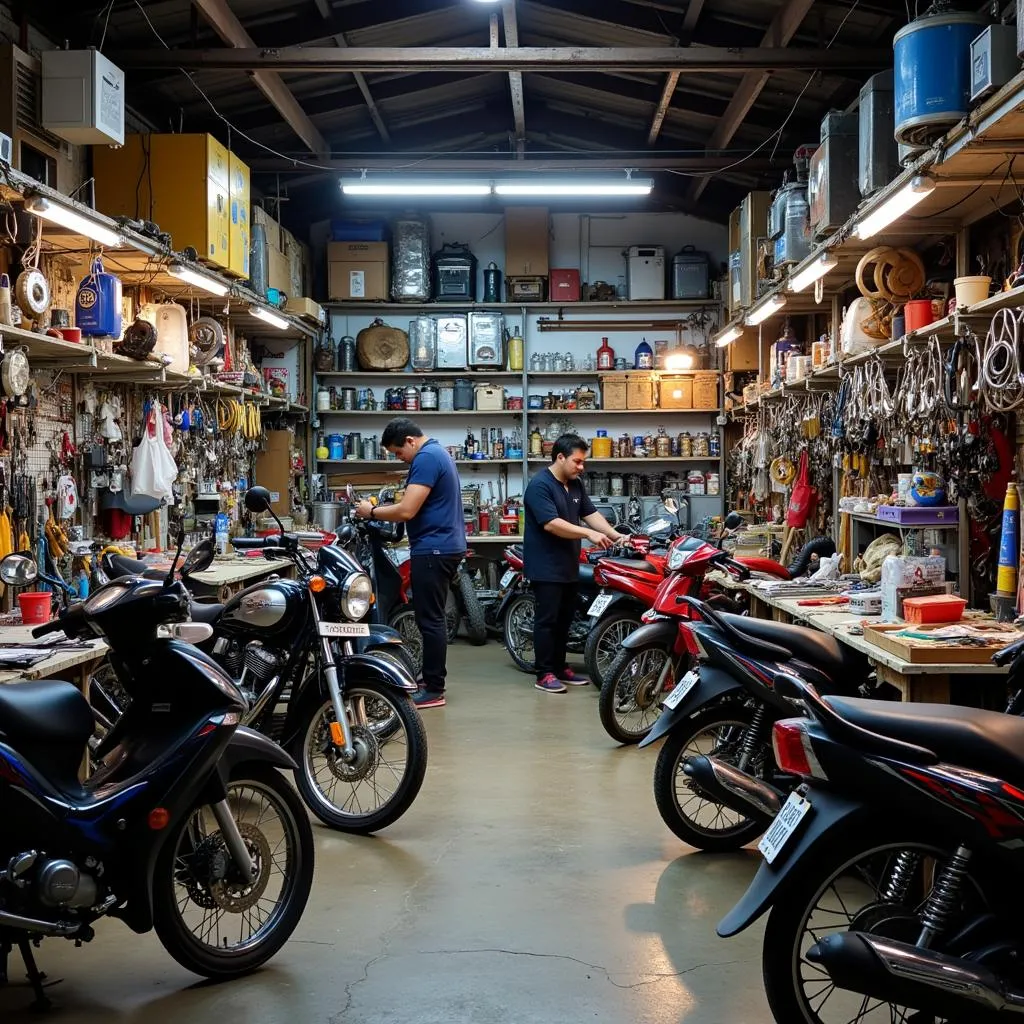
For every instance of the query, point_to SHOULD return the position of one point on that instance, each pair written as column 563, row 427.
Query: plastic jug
column 171, row 325
column 98, row 304
column 515, row 350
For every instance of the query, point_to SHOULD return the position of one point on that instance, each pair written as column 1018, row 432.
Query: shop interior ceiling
column 707, row 137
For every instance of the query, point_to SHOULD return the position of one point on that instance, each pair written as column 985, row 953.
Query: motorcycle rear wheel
column 604, row 641
column 518, row 631
column 392, row 745
column 476, row 625
column 404, row 621
column 193, row 877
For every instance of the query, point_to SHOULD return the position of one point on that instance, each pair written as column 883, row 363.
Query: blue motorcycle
column 187, row 826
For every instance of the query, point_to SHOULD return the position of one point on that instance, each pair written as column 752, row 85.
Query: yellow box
column 705, row 391
column 613, row 391
column 675, row 392
column 239, row 237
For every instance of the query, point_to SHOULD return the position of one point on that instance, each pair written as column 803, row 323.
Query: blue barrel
column 932, row 79
column 336, row 446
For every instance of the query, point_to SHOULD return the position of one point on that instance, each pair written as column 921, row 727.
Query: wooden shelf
column 619, row 412
column 592, row 462
column 429, row 412
column 398, row 464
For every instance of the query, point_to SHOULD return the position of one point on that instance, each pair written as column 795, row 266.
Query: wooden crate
column 924, row 652
column 641, row 390
column 705, row 391
column 675, row 391
column 613, row 391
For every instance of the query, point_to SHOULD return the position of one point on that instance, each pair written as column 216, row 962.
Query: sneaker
column 573, row 678
column 429, row 699
column 550, row 683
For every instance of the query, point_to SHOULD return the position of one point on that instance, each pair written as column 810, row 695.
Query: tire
column 319, row 784
column 630, row 700
column 404, row 621
column 518, row 618
column 452, row 617
column 785, row 937
column 735, row 831
column 604, row 642
column 476, row 625
column 174, row 877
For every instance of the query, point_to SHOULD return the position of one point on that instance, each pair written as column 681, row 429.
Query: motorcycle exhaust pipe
column 31, row 924
column 739, row 791
column 897, row 972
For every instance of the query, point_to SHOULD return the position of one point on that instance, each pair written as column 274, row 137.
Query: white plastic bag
column 153, row 467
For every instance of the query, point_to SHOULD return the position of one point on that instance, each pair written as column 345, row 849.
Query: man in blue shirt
column 432, row 506
column 555, row 503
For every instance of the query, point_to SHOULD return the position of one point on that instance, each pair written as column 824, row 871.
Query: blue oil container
column 932, row 79
column 98, row 303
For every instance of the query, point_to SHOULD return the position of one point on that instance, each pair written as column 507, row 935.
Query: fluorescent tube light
column 813, row 272
column 193, row 277
column 268, row 317
column 71, row 219
column 918, row 188
column 764, row 310
column 729, row 335
column 620, row 187
column 415, row 188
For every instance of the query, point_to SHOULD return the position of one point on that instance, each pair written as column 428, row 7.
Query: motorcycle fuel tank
column 268, row 608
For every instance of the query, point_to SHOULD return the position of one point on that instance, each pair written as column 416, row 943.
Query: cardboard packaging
column 526, row 241
column 705, row 391
column 358, row 271
column 641, row 390
column 906, row 576
column 676, row 391
column 274, row 469
column 613, row 391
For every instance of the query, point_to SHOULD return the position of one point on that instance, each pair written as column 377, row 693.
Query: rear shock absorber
column 942, row 900
column 898, row 885
column 752, row 741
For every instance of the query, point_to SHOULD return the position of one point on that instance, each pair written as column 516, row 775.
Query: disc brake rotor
column 367, row 755
column 236, row 896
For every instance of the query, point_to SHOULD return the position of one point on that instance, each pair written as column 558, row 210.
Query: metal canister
column 349, row 398
column 492, row 288
column 446, row 396
column 370, row 449
column 347, row 355
column 411, row 399
column 429, row 397
column 616, row 485
column 353, row 445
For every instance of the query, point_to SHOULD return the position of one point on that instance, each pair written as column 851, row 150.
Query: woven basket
column 380, row 347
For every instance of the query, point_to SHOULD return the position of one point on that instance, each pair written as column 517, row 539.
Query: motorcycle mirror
column 19, row 571
column 169, row 578
column 199, row 558
column 257, row 499
column 733, row 521
column 350, row 494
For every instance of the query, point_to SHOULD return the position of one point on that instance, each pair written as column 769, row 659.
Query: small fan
column 207, row 338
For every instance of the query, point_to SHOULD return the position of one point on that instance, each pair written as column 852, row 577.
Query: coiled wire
column 1001, row 381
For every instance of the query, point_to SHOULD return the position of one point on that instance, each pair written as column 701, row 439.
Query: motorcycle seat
column 47, row 710
column 835, row 659
column 986, row 741
column 516, row 549
column 633, row 564
column 202, row 611
column 122, row 565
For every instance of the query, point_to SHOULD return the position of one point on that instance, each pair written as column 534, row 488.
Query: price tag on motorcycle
column 344, row 629
column 786, row 822
column 509, row 576
column 598, row 605
column 683, row 687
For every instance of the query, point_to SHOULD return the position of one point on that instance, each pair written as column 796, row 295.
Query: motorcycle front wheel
column 518, row 631
column 631, row 694
column 379, row 786
column 604, row 641
column 210, row 919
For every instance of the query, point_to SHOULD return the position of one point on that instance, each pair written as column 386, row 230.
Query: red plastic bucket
column 917, row 313
column 35, row 607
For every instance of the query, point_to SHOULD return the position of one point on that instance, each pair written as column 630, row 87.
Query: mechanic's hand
column 599, row 540
column 363, row 509
column 621, row 539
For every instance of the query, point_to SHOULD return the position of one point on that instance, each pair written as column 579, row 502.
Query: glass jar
column 715, row 445
column 639, row 447
column 536, row 444
column 535, row 363
column 649, row 447
column 701, row 445
column 685, row 445
column 570, row 363
column 624, row 448
column 558, row 365
column 662, row 444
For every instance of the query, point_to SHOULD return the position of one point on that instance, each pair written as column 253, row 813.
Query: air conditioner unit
column 83, row 97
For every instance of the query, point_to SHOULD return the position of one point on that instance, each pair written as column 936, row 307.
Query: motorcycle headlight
column 676, row 557
column 356, row 596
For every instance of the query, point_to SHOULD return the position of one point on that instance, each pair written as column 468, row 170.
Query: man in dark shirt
column 432, row 506
column 555, row 503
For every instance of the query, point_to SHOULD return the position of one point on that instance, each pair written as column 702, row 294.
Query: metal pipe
column 609, row 325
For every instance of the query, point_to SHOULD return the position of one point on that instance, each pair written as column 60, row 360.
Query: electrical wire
column 106, row 22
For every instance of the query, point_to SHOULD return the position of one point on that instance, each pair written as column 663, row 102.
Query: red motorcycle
column 661, row 649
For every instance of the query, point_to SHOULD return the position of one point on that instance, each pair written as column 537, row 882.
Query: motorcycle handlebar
column 1007, row 654
column 50, row 627
column 253, row 543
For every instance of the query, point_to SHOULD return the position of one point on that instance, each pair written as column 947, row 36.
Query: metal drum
column 326, row 515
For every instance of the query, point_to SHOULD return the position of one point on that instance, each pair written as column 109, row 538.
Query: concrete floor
column 532, row 882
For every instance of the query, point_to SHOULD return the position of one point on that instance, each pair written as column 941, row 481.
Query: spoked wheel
column 630, row 701
column 604, row 642
column 208, row 917
column 868, row 885
column 404, row 622
column 690, row 812
column 379, row 786
column 519, row 632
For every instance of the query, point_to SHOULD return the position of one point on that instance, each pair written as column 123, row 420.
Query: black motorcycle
column 346, row 717
column 188, row 827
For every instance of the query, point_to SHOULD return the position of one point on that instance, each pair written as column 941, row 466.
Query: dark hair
column 567, row 444
column 398, row 430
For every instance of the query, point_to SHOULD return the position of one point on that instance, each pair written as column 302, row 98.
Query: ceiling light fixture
column 919, row 187
column 764, row 310
column 193, row 277
column 362, row 187
column 268, row 317
column 556, row 189
column 71, row 219
column 729, row 335
column 814, row 271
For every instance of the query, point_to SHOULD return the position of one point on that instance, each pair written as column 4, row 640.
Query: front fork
column 341, row 731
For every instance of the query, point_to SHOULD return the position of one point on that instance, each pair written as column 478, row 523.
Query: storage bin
column 936, row 608
column 564, row 285
column 705, row 391
column 970, row 290
column 917, row 313
column 641, row 390
column 613, row 391
column 675, row 392
column 490, row 398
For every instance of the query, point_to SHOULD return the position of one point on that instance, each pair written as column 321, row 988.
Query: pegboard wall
column 40, row 430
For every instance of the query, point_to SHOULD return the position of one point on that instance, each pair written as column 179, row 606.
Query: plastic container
column 601, row 447
column 934, row 608
column 917, row 313
column 336, row 446
column 970, row 290
column 35, row 607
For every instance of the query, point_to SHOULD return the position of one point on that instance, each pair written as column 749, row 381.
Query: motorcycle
column 652, row 657
column 889, row 874
column 724, row 709
column 188, row 828
column 347, row 718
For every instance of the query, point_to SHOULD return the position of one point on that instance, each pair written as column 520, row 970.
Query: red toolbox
column 564, row 286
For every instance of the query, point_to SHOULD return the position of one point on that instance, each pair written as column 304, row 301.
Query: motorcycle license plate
column 683, row 687
column 786, row 822
column 509, row 576
column 344, row 629
column 598, row 605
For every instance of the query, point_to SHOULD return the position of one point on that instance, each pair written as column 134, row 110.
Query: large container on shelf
column 932, row 80
column 878, row 156
column 454, row 274
column 790, row 225
column 423, row 343
column 690, row 274
column 452, row 348
column 410, row 260
column 832, row 191
column 486, row 340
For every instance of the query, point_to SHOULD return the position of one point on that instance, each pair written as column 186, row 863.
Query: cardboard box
column 274, row 469
column 527, row 234
column 705, row 391
column 613, row 391
column 675, row 392
column 358, row 271
column 307, row 309
column 278, row 272
column 909, row 576
column 641, row 390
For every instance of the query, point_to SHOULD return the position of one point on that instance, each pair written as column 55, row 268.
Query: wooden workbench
column 225, row 578
column 74, row 665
